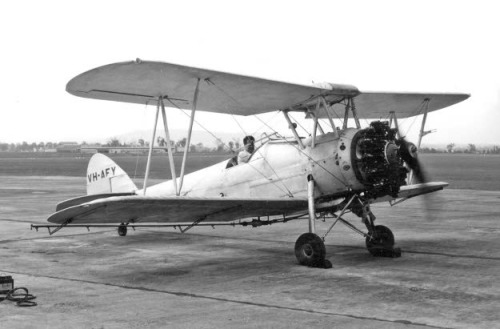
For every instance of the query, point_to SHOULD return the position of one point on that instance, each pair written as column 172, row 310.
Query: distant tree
column 472, row 148
column 4, row 147
column 450, row 147
column 141, row 142
column 114, row 142
column 24, row 146
column 160, row 141
column 220, row 145
column 182, row 142
column 202, row 148
column 236, row 144
column 231, row 146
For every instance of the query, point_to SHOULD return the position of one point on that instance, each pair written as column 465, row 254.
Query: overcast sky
column 439, row 46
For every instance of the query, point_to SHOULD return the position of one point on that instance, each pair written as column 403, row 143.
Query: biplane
column 338, row 168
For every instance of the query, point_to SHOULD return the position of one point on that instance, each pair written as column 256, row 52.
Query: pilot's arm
column 244, row 156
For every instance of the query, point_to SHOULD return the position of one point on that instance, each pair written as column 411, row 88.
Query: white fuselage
column 277, row 169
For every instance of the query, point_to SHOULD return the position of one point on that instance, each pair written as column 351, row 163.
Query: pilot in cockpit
column 244, row 155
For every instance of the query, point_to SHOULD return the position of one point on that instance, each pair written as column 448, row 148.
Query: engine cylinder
column 377, row 160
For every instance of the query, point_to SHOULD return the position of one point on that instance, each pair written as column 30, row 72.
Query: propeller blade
column 409, row 154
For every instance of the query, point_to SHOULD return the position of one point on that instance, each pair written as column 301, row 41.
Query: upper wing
column 144, row 81
column 123, row 209
column 375, row 105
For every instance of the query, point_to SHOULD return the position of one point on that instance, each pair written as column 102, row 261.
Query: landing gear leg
column 310, row 249
column 122, row 229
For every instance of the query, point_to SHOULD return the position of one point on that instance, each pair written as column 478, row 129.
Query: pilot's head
column 249, row 141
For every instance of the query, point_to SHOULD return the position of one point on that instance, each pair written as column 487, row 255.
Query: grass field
column 462, row 171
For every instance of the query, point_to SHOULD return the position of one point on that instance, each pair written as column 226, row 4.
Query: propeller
column 409, row 154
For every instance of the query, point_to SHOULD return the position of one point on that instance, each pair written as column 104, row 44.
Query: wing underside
column 377, row 105
column 410, row 191
column 143, row 82
column 138, row 209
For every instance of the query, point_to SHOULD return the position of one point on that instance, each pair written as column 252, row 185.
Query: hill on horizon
column 198, row 136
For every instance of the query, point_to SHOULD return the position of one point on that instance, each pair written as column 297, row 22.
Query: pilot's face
column 250, row 147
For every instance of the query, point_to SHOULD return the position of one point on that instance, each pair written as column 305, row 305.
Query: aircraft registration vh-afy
column 335, row 170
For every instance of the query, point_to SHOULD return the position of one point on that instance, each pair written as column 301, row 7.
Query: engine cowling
column 377, row 161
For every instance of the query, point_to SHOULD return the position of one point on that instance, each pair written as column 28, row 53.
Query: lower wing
column 135, row 209
column 124, row 209
column 410, row 191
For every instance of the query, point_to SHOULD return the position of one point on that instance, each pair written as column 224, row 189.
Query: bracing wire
column 307, row 155
column 272, row 168
column 270, row 120
column 210, row 82
column 137, row 155
column 243, row 130
column 199, row 124
column 297, row 122
column 288, row 192
column 337, row 115
column 418, row 111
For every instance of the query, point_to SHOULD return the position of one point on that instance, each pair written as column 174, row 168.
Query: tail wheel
column 122, row 230
column 380, row 241
column 310, row 250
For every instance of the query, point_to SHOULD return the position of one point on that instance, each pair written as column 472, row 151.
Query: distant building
column 68, row 147
column 120, row 149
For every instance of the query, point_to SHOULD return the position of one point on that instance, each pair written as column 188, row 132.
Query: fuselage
column 278, row 168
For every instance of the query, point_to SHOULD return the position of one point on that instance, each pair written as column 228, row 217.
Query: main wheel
column 381, row 241
column 122, row 230
column 310, row 250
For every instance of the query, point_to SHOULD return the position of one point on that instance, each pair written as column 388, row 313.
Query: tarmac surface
column 243, row 277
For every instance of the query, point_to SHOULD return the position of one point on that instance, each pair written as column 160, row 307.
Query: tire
column 310, row 250
column 122, row 230
column 382, row 241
